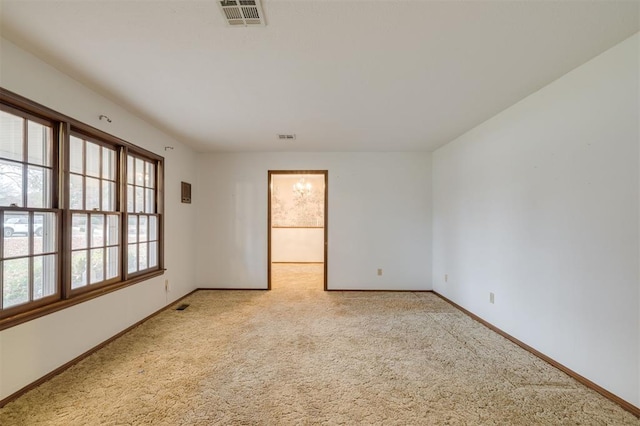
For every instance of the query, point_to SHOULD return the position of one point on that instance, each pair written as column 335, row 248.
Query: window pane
column 130, row 198
column 108, row 163
column 113, row 263
column 78, row 269
column 132, row 258
column 37, row 277
column 10, row 183
column 39, row 139
column 79, row 231
column 44, row 276
column 143, row 257
column 11, row 136
column 39, row 187
column 139, row 200
column 75, row 155
column 130, row 170
column 132, row 231
column 15, row 280
column 15, row 234
column 45, row 230
column 97, row 230
column 142, row 228
column 150, row 208
column 76, row 192
column 108, row 196
column 139, row 172
column 113, row 230
column 92, row 159
column 153, row 255
column 97, row 265
column 153, row 228
column 93, row 193
column 149, row 176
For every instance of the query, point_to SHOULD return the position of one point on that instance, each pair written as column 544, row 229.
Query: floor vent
column 242, row 12
column 182, row 307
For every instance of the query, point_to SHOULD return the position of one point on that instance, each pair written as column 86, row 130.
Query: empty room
column 277, row 212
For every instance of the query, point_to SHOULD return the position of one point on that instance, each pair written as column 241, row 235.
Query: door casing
column 325, row 173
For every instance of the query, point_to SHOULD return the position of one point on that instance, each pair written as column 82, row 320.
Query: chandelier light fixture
column 302, row 188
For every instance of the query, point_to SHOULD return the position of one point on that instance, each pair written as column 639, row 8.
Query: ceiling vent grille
column 242, row 12
column 286, row 137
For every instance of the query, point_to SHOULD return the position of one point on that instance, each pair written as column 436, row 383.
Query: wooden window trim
column 25, row 106
column 63, row 127
column 49, row 308
column 24, row 208
column 26, row 114
column 158, row 180
column 69, row 291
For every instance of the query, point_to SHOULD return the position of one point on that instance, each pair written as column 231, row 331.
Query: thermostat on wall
column 186, row 192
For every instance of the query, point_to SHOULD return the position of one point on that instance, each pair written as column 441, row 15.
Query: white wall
column 297, row 244
column 379, row 217
column 540, row 206
column 31, row 350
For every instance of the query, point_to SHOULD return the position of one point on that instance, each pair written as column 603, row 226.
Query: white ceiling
column 341, row 75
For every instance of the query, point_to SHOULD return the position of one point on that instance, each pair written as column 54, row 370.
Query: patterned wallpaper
column 290, row 208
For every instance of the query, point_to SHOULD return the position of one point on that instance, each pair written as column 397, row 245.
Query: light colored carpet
column 299, row 355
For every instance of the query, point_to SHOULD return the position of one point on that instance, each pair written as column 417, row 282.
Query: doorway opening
column 297, row 228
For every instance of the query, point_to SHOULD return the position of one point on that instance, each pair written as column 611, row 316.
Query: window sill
column 59, row 305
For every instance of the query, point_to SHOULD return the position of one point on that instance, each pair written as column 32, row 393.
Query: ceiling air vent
column 285, row 137
column 242, row 12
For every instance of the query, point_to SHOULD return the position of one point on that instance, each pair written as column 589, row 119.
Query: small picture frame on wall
column 185, row 190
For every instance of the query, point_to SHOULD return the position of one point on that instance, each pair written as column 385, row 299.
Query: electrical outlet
column 166, row 285
column 492, row 298
column 446, row 278
column 379, row 271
